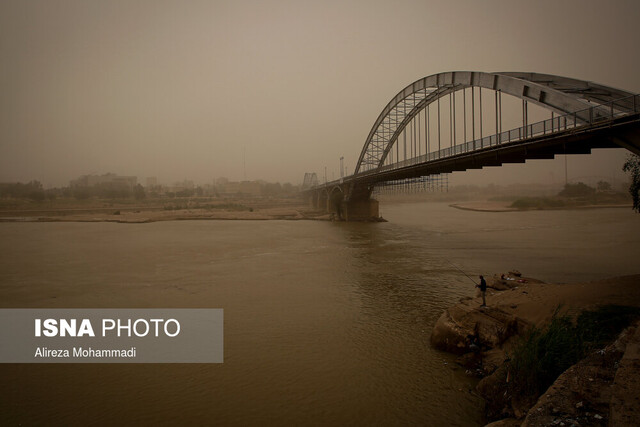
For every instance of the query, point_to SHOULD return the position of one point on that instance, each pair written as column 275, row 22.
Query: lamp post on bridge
column 341, row 167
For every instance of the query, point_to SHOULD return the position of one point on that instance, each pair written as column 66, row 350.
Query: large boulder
column 489, row 326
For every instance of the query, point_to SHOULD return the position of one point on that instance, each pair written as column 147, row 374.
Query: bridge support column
column 360, row 210
column 314, row 200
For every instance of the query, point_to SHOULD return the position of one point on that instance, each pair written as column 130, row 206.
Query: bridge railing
column 578, row 120
column 570, row 122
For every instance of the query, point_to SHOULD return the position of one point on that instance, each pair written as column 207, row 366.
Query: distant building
column 230, row 188
column 248, row 188
column 152, row 181
column 108, row 178
column 182, row 186
column 209, row 190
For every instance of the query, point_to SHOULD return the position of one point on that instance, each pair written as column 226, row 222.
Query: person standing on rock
column 483, row 290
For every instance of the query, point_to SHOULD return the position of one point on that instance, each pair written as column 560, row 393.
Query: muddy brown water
column 325, row 323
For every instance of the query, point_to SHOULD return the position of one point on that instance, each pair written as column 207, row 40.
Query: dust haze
column 270, row 90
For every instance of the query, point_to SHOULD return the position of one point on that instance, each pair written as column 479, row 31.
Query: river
column 325, row 323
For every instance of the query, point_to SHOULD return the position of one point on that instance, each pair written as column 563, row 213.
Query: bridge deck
column 614, row 133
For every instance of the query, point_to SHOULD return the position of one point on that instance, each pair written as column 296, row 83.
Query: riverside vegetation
column 545, row 364
column 544, row 353
column 574, row 195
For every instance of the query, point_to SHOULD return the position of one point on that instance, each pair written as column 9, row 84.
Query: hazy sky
column 181, row 89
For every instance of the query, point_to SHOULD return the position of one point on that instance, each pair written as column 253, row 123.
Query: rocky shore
column 601, row 389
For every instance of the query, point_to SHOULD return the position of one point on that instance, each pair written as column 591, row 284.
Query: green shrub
column 540, row 356
column 599, row 327
column 579, row 189
column 537, row 203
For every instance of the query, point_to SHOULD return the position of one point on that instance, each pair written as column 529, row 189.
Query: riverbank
column 484, row 206
column 525, row 303
column 153, row 212
column 506, row 206
column 139, row 217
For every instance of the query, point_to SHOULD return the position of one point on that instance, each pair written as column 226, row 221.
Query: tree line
column 32, row 190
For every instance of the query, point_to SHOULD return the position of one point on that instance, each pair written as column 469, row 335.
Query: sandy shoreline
column 535, row 302
column 148, row 215
column 231, row 210
column 484, row 206
column 493, row 206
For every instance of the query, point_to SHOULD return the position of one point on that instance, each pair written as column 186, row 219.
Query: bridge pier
column 360, row 210
column 318, row 200
column 333, row 200
column 315, row 200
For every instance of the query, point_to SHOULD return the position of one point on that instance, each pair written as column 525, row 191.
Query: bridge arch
column 561, row 95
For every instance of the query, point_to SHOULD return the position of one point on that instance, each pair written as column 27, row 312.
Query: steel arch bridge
column 584, row 115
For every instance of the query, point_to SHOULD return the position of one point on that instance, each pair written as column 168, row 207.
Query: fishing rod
column 460, row 270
